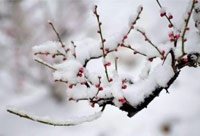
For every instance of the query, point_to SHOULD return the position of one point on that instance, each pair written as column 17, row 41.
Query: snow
column 48, row 120
column 67, row 71
column 51, row 47
column 158, row 77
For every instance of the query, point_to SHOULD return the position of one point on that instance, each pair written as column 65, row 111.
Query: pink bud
column 150, row 59
column 185, row 39
column 124, row 86
column 106, row 49
column 163, row 52
column 101, row 89
column 110, row 80
column 185, row 59
column 70, row 86
column 177, row 36
column 54, row 56
column 163, row 14
column 64, row 59
column 122, row 44
column 125, row 37
column 122, row 100
column 171, row 35
column 170, row 25
column 92, row 105
column 170, row 16
column 109, row 64
column 46, row 53
column 81, row 69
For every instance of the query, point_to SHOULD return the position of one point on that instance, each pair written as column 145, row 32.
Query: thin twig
column 150, row 42
column 45, row 64
column 57, row 34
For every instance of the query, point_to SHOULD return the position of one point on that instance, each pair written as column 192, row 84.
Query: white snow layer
column 48, row 120
column 159, row 76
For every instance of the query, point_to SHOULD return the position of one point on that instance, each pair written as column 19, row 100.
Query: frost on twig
column 49, row 121
column 105, row 85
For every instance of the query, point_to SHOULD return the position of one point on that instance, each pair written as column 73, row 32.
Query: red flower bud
column 125, row 37
column 122, row 100
column 70, row 86
column 101, row 89
column 170, row 25
column 124, row 86
column 150, row 59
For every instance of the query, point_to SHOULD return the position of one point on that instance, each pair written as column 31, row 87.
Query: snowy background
column 29, row 86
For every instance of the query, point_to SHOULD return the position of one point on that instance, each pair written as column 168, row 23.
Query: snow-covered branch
column 108, row 86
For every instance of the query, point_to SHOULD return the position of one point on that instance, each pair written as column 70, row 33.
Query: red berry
column 196, row 1
column 162, row 58
column 55, row 80
column 98, row 31
column 185, row 39
column 96, row 6
column 134, row 52
column 132, row 27
column 189, row 13
column 116, row 49
column 70, row 99
column 187, row 28
column 143, row 33
column 122, row 100
column 100, row 23
column 104, row 40
column 124, row 86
